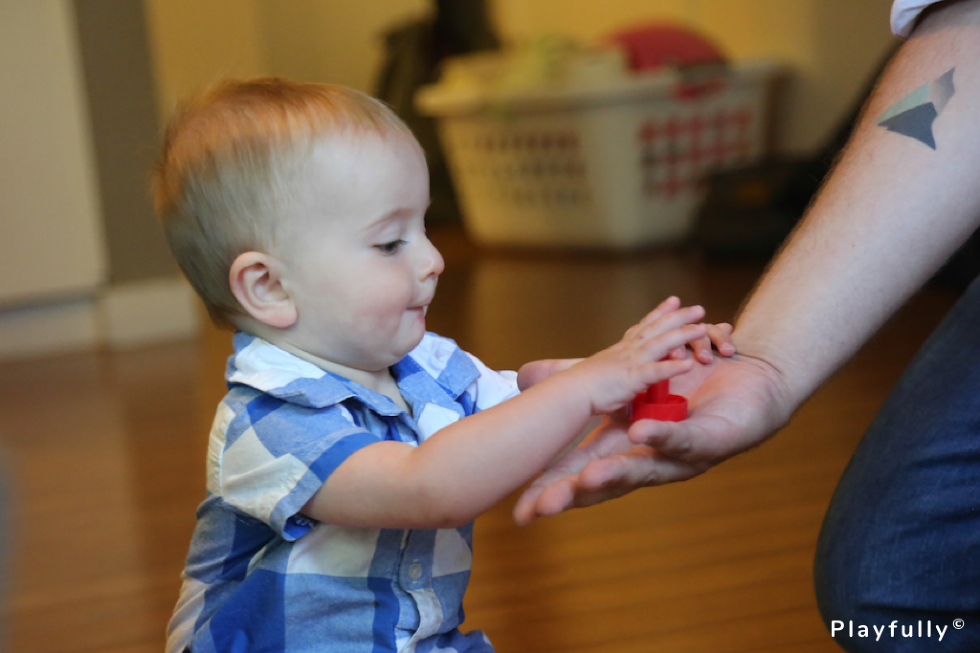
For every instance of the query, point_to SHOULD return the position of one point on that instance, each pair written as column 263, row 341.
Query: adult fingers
column 671, row 439
column 614, row 476
column 553, row 499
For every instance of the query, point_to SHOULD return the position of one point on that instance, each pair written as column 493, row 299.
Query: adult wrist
column 781, row 389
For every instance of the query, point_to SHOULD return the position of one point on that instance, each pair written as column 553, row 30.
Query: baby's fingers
column 702, row 349
column 721, row 337
column 666, row 306
column 656, row 350
column 661, row 370
column 668, row 322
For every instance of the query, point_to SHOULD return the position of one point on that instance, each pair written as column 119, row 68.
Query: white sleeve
column 492, row 387
column 905, row 13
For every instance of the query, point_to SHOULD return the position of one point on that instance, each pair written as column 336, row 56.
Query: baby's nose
column 432, row 263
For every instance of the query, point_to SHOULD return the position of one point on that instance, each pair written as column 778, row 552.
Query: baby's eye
column 390, row 248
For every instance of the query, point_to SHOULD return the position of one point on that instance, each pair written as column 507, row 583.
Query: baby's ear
column 256, row 281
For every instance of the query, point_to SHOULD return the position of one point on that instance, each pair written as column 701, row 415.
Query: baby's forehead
column 349, row 152
column 335, row 168
column 384, row 141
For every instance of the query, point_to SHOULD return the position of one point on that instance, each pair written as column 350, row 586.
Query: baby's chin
column 408, row 347
column 417, row 342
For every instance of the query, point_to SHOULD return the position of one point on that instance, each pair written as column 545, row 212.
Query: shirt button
column 415, row 571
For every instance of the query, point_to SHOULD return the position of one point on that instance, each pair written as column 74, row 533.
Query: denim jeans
column 901, row 538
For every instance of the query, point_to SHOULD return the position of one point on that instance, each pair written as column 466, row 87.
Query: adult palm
column 735, row 404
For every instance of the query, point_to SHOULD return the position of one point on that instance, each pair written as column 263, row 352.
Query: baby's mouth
column 423, row 306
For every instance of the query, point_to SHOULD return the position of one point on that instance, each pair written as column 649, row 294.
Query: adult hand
column 735, row 404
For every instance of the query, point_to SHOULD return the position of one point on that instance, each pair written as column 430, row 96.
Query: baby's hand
column 617, row 374
column 718, row 336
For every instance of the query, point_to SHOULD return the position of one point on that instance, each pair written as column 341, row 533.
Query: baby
column 353, row 450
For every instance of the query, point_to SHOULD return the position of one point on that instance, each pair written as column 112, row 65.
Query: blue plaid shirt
column 262, row 577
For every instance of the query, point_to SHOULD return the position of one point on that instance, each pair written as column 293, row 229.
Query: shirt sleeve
column 272, row 457
column 905, row 13
column 491, row 387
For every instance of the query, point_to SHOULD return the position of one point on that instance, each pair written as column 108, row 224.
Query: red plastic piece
column 657, row 403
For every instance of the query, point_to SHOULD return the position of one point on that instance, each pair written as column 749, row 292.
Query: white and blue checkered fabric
column 262, row 577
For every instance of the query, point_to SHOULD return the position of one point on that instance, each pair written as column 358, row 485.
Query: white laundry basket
column 617, row 163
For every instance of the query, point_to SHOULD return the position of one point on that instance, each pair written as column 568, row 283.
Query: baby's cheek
column 386, row 313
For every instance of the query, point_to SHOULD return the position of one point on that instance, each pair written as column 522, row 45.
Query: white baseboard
column 148, row 312
column 54, row 328
column 124, row 316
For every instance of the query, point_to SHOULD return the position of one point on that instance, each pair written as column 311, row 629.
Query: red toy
column 657, row 403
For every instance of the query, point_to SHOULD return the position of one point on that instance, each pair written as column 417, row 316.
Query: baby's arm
column 471, row 465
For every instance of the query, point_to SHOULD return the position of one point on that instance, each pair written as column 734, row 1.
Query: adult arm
column 890, row 214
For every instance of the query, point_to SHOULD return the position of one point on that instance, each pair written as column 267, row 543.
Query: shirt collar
column 437, row 371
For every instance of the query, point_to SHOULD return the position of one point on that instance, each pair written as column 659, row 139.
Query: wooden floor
column 103, row 461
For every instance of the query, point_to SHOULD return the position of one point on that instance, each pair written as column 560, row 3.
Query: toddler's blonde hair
column 227, row 171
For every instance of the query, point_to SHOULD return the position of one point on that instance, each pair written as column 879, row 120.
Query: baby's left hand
column 719, row 336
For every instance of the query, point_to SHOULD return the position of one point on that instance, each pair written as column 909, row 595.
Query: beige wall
column 50, row 230
column 330, row 41
column 831, row 45
column 197, row 42
column 82, row 264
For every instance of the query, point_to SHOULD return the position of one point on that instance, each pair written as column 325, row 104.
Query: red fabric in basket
column 655, row 46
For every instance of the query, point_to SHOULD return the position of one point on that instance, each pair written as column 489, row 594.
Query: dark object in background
column 413, row 52
column 749, row 211
column 963, row 267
